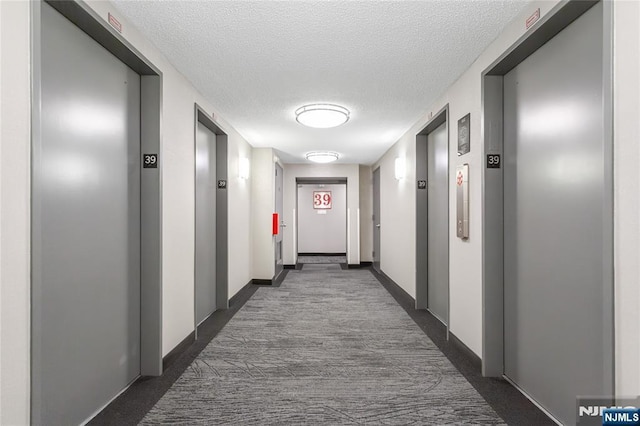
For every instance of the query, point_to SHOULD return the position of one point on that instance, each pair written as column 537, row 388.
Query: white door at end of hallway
column 322, row 219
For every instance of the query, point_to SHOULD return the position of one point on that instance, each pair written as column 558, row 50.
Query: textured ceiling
column 257, row 61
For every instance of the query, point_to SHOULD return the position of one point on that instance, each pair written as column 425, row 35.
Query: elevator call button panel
column 462, row 201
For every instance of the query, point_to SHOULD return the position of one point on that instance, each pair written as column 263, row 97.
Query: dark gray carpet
column 322, row 259
column 328, row 346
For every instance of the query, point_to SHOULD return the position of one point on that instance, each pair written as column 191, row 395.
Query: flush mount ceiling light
column 322, row 116
column 322, row 156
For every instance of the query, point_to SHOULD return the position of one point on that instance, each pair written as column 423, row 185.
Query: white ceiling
column 258, row 61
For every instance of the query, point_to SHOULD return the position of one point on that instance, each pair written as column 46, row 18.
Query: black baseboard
column 240, row 294
column 401, row 296
column 507, row 401
column 322, row 254
column 257, row 281
column 296, row 267
column 175, row 353
column 281, row 276
column 181, row 347
column 132, row 405
column 471, row 355
column 359, row 265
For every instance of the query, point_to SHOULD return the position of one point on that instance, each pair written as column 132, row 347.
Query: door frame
column 222, row 234
column 278, row 269
column 558, row 18
column 422, row 211
column 322, row 181
column 377, row 195
column 94, row 25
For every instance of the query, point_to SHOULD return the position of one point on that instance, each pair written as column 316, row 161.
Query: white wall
column 177, row 156
column 15, row 213
column 322, row 230
column 464, row 96
column 0, row 219
column 262, row 208
column 366, row 214
column 293, row 171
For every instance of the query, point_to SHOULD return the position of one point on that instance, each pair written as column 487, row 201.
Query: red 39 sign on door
column 321, row 199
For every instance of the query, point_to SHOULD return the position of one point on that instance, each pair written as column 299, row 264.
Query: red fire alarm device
column 276, row 224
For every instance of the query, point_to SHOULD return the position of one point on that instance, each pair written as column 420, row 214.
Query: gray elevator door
column 438, row 222
column 86, row 227
column 376, row 219
column 206, row 186
column 553, row 220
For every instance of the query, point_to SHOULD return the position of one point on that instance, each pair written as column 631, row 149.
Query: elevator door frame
column 376, row 224
column 222, row 234
column 150, row 181
column 422, row 212
column 561, row 16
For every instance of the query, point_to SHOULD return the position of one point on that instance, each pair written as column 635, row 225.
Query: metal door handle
column 378, row 226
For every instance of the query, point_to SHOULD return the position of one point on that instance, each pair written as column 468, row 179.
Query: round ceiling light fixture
column 322, row 116
column 322, row 156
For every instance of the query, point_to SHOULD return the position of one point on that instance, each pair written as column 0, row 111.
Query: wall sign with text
column 149, row 161
column 464, row 134
column 493, row 161
column 322, row 199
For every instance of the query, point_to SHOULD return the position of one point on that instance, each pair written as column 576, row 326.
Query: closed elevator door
column 206, row 186
column 86, row 227
column 438, row 222
column 553, row 220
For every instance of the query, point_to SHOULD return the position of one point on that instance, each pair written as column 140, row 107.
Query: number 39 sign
column 321, row 199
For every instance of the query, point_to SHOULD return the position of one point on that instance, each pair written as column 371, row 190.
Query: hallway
column 328, row 346
column 285, row 212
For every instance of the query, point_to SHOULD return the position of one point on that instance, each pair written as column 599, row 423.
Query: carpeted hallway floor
column 328, row 346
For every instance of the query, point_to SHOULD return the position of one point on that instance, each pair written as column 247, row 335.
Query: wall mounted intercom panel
column 462, row 201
